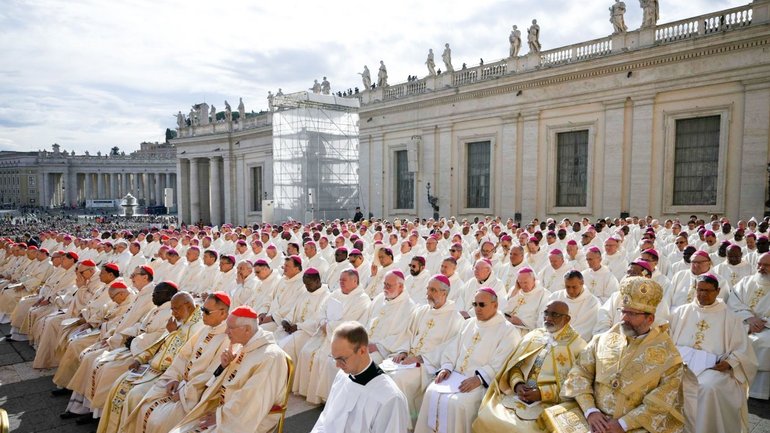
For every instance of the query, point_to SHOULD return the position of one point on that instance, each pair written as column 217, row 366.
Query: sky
column 94, row 74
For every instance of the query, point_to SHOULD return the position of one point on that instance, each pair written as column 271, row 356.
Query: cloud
column 90, row 74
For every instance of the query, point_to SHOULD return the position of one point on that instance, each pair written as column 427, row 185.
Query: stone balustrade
column 754, row 13
column 260, row 120
column 703, row 25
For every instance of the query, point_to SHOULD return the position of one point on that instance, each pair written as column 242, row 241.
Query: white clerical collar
column 576, row 297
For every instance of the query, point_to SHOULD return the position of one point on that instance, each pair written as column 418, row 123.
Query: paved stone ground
column 25, row 395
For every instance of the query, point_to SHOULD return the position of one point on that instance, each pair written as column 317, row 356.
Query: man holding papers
column 720, row 361
column 468, row 364
column 430, row 328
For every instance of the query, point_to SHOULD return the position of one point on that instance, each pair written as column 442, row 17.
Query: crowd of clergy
column 441, row 325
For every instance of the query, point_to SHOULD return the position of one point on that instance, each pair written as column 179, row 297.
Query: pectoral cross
column 469, row 351
column 375, row 322
column 757, row 296
column 702, row 326
column 416, row 350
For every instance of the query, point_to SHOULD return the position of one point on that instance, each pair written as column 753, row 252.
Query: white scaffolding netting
column 315, row 157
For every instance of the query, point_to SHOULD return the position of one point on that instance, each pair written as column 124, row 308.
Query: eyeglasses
column 344, row 359
column 698, row 262
column 206, row 311
column 480, row 304
column 553, row 314
column 452, row 251
column 341, row 359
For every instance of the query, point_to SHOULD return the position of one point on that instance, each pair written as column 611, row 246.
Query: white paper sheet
column 697, row 360
column 451, row 384
column 389, row 365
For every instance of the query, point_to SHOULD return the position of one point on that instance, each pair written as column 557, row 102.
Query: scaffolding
column 315, row 157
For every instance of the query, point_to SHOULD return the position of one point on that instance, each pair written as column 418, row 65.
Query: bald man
column 149, row 365
column 524, row 380
column 473, row 358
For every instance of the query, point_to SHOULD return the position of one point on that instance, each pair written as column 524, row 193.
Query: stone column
column 159, row 180
column 203, row 185
column 641, row 155
column 88, row 188
column 227, row 192
column 114, row 193
column 183, row 190
column 530, row 167
column 754, row 154
column 240, row 193
column 215, row 190
column 124, row 177
column 170, row 183
column 134, row 184
column 612, row 164
column 99, row 186
column 147, row 189
column 195, row 201
column 44, row 189
column 72, row 187
column 506, row 173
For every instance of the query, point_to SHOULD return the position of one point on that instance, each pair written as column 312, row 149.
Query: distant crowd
column 435, row 325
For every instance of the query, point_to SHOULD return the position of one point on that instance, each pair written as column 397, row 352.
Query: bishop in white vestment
column 720, row 362
column 468, row 364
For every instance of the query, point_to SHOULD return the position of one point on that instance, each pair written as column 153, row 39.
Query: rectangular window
column 696, row 161
column 572, row 168
column 256, row 189
column 404, row 181
column 32, row 180
column 478, row 174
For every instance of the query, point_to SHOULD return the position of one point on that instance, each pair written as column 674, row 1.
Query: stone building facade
column 670, row 120
column 58, row 178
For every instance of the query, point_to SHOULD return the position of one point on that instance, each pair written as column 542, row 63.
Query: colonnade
column 73, row 188
column 202, row 186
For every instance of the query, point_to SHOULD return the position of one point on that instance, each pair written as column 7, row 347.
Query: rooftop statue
column 326, row 87
column 447, row 57
column 382, row 75
column 515, row 40
column 533, row 37
column 617, row 11
column 366, row 77
column 316, row 87
column 241, row 110
column 650, row 12
column 431, row 63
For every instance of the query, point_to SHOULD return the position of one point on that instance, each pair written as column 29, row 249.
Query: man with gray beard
column 629, row 377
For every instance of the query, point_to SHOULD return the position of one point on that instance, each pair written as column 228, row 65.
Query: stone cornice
column 494, row 88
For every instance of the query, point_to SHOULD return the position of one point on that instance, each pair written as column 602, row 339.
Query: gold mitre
column 641, row 294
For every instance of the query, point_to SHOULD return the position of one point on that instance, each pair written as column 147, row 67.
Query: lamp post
column 433, row 200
